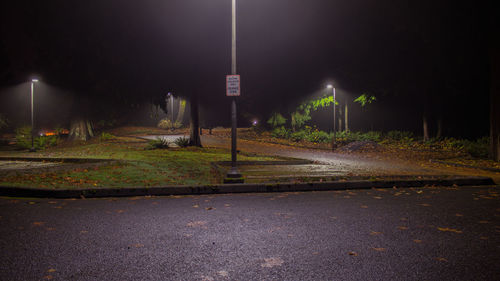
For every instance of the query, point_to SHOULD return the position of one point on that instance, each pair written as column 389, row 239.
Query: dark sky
column 406, row 53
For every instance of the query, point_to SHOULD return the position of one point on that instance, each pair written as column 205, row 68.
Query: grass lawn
column 138, row 167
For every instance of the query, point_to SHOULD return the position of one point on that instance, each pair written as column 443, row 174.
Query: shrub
column 158, row 143
column 371, row 136
column 276, row 120
column 478, row 148
column 403, row 136
column 281, row 132
column 4, row 123
column 182, row 141
column 298, row 136
column 318, row 136
column 23, row 139
column 106, row 136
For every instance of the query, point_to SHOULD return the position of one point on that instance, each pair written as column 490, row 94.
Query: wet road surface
column 385, row 234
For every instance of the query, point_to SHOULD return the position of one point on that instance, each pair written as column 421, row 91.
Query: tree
column 494, row 52
column 194, row 123
column 276, row 120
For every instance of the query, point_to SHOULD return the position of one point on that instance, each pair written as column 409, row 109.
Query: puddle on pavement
column 286, row 173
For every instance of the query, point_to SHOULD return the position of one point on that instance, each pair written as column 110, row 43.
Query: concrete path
column 339, row 163
column 388, row 234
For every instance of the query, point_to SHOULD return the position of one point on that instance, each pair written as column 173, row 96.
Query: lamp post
column 32, row 149
column 171, row 109
column 233, row 174
column 334, row 143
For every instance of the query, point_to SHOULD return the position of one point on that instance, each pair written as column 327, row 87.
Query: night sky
column 111, row 55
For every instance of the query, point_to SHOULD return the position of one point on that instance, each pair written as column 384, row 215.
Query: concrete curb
column 238, row 188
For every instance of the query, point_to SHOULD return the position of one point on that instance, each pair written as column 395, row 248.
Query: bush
column 403, row 136
column 23, row 139
column 318, row 136
column 106, row 136
column 478, row 148
column 281, row 132
column 4, row 123
column 182, row 141
column 276, row 120
column 298, row 136
column 158, row 143
column 167, row 124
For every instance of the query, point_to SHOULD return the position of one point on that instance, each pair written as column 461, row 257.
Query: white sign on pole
column 232, row 85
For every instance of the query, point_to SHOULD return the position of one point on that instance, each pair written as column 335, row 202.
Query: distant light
column 329, row 86
column 34, row 80
column 254, row 122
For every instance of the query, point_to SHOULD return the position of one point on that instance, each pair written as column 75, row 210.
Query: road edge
column 239, row 188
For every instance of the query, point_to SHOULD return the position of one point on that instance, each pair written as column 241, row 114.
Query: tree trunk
column 425, row 126
column 340, row 118
column 81, row 130
column 194, row 123
column 494, row 52
column 346, row 120
column 495, row 103
column 439, row 132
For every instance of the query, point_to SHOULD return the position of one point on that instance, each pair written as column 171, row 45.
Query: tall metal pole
column 32, row 120
column 233, row 173
column 334, row 139
column 172, row 109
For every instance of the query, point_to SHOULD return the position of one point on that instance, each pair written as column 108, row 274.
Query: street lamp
column 172, row 109
column 32, row 149
column 334, row 144
column 233, row 175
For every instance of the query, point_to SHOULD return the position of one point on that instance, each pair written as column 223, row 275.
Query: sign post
column 233, row 91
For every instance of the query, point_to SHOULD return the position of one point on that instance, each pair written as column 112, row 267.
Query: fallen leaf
column 223, row 273
column 353, row 254
column 458, row 215
column 377, row 197
column 484, row 238
column 272, row 262
column 196, row 223
column 446, row 229
column 483, row 222
column 209, row 208
column 50, row 228
column 38, row 223
column 48, row 277
column 196, row 206
column 375, row 233
column 120, row 211
column 417, row 241
column 442, row 259
column 425, row 205
column 83, row 231
column 379, row 249
column 51, row 270
column 138, row 245
column 402, row 227
column 364, row 206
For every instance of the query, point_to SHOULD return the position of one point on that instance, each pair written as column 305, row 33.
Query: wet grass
column 138, row 167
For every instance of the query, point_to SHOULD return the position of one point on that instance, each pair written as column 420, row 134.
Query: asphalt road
column 385, row 234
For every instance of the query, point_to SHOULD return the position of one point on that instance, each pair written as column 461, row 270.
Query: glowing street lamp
column 33, row 81
column 334, row 144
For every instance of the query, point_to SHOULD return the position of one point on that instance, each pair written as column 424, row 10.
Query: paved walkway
column 337, row 162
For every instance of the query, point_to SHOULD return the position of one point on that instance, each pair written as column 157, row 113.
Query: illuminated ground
column 389, row 234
